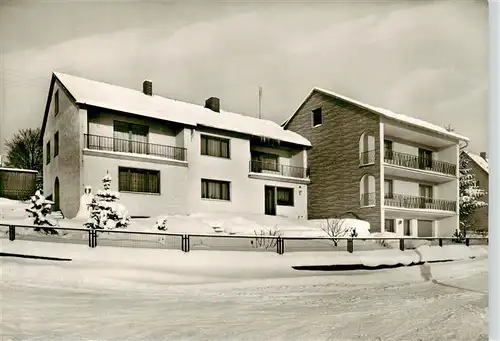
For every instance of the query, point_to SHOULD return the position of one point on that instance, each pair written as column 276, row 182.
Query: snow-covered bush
column 161, row 224
column 266, row 243
column 105, row 211
column 40, row 209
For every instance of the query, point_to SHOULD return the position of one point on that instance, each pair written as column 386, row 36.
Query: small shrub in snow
column 337, row 228
column 106, row 213
column 161, row 224
column 40, row 209
column 459, row 236
column 266, row 243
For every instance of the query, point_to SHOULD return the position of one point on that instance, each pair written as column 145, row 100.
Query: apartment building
column 397, row 172
column 166, row 156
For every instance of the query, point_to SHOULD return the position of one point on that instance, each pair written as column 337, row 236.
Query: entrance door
column 270, row 200
column 56, row 195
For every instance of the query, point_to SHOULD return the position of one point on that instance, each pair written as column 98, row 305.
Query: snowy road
column 333, row 307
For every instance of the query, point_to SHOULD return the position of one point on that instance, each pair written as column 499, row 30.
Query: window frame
column 56, row 102
column 47, row 150
column 315, row 113
column 206, row 182
column 409, row 227
column 56, row 144
column 146, row 172
column 204, row 150
column 290, row 191
column 392, row 224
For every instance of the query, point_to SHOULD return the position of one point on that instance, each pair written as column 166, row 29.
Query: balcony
column 112, row 144
column 274, row 168
column 420, row 203
column 420, row 163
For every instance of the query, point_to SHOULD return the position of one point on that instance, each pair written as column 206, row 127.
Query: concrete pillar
column 414, row 227
column 435, row 230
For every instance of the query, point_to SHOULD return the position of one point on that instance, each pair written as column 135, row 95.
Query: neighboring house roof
column 99, row 94
column 382, row 112
column 479, row 161
column 20, row 170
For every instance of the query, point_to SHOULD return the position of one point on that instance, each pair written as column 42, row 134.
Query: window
column 424, row 158
column 56, row 103
column 130, row 137
column 367, row 148
column 284, row 196
column 48, row 152
column 478, row 183
column 138, row 180
column 407, row 227
column 264, row 161
column 56, row 144
column 367, row 190
column 317, row 117
column 214, row 146
column 388, row 153
column 425, row 191
column 215, row 189
column 389, row 225
column 388, row 189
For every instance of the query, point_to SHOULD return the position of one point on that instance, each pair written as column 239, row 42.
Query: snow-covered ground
column 134, row 294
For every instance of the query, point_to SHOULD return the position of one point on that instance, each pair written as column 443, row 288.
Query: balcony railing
column 276, row 168
column 367, row 199
column 366, row 158
column 417, row 162
column 408, row 201
column 112, row 144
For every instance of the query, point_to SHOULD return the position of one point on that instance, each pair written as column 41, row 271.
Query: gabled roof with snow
column 482, row 163
column 382, row 112
column 114, row 97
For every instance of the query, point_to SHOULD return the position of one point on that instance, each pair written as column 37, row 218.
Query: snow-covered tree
column 40, row 209
column 470, row 195
column 105, row 211
column 161, row 224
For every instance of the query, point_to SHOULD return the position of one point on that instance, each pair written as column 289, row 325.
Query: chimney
column 213, row 103
column 147, row 88
column 483, row 155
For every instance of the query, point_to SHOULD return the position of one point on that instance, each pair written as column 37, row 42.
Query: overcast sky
column 427, row 59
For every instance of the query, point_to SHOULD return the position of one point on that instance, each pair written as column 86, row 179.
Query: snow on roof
column 479, row 161
column 391, row 115
column 118, row 98
column 18, row 170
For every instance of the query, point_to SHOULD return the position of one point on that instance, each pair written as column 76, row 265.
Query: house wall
column 100, row 123
column 173, row 184
column 446, row 227
column 334, row 159
column 447, row 190
column 66, row 166
column 448, row 154
column 246, row 194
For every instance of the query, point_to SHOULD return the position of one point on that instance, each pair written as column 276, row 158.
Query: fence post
column 182, row 243
column 402, row 244
column 350, row 245
column 12, row 232
column 467, row 241
column 91, row 238
column 187, row 247
column 280, row 245
column 441, row 242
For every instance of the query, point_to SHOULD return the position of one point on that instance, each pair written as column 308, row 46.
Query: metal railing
column 112, row 144
column 367, row 199
column 276, row 168
column 366, row 158
column 418, row 162
column 193, row 242
column 408, row 201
